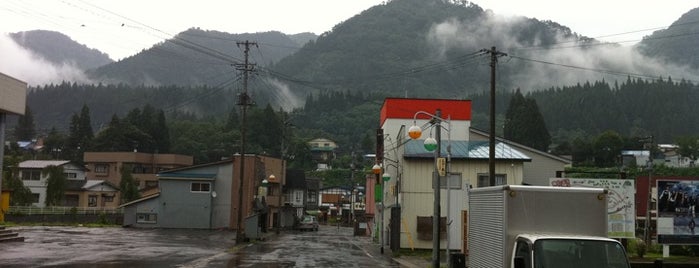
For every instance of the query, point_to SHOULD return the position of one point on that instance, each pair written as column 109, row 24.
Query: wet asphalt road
column 128, row 247
column 328, row 247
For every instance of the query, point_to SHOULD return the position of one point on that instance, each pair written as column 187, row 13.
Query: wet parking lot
column 129, row 247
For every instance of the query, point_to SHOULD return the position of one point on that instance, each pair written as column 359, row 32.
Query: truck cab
column 540, row 251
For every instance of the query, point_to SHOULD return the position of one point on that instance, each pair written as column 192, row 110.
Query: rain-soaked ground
column 130, row 247
column 328, row 247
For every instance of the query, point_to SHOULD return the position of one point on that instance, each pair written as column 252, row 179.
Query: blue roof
column 465, row 150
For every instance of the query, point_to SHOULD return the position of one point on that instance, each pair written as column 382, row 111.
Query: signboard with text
column 621, row 208
column 677, row 217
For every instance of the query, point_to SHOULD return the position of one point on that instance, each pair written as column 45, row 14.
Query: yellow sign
column 442, row 166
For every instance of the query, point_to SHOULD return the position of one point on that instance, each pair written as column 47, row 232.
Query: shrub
column 641, row 247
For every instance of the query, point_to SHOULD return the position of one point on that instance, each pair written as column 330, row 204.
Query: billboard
column 677, row 217
column 621, row 208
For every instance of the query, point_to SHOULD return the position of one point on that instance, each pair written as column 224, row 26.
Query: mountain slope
column 677, row 43
column 60, row 49
column 197, row 57
column 420, row 47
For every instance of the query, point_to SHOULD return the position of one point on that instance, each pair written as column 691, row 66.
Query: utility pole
column 648, row 144
column 494, row 54
column 243, row 101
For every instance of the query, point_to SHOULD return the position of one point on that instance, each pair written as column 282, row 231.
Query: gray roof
column 42, row 163
column 465, row 150
column 185, row 176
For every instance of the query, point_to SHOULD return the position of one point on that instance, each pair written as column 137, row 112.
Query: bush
column 641, row 247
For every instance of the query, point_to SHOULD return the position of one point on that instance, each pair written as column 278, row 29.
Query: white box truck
column 518, row 226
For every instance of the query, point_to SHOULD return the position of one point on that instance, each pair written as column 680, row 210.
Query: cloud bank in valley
column 533, row 66
column 22, row 64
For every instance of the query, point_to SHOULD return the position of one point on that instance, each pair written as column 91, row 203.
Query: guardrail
column 25, row 210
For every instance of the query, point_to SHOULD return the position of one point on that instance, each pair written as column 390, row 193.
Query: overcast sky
column 124, row 27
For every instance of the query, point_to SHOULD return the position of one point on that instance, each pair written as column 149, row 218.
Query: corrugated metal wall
column 487, row 215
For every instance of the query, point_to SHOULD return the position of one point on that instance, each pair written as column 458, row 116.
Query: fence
column 65, row 215
column 31, row 210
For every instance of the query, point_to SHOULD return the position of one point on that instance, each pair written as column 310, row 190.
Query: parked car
column 309, row 222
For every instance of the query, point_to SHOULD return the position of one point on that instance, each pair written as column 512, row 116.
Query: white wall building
column 410, row 168
column 30, row 172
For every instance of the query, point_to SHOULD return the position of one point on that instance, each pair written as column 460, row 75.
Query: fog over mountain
column 34, row 69
column 549, row 63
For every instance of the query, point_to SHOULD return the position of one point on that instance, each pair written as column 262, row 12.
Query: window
column 71, row 175
column 522, row 251
column 92, row 201
column 297, row 196
column 200, row 187
column 151, row 184
column 101, row 168
column 484, row 180
column 35, row 198
column 312, row 197
column 107, row 198
column 454, row 181
column 146, row 218
column 31, row 175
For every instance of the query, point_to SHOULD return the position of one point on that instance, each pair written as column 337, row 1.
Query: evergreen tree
column 25, row 130
column 122, row 136
column 161, row 133
column 127, row 185
column 55, row 185
column 21, row 195
column 606, row 148
column 525, row 124
column 54, row 143
column 80, row 137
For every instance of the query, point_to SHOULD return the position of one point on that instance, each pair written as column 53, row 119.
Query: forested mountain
column 413, row 48
column 52, row 105
column 663, row 108
column 416, row 48
column 677, row 43
column 198, row 57
column 59, row 49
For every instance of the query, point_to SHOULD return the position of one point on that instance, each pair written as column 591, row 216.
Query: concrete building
column 13, row 102
column 207, row 196
column 408, row 168
column 144, row 166
column 322, row 152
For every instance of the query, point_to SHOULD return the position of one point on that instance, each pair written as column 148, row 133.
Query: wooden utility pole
column 494, row 54
column 243, row 101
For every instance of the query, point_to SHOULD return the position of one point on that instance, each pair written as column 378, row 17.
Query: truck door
column 523, row 254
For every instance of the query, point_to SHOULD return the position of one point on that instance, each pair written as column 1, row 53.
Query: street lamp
column 376, row 169
column 431, row 144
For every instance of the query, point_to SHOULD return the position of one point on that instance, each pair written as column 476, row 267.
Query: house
column 542, row 166
column 295, row 191
column 322, row 152
column 407, row 167
column 30, row 172
column 207, row 196
column 97, row 194
column 144, row 166
column 335, row 203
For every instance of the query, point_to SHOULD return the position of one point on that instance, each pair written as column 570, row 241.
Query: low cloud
column 282, row 96
column 567, row 63
column 24, row 65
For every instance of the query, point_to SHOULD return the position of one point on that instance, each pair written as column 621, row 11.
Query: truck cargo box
column 498, row 214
